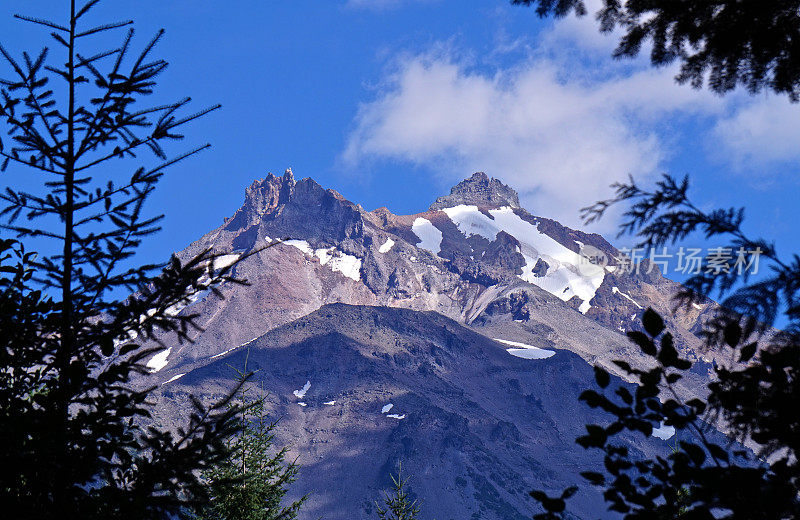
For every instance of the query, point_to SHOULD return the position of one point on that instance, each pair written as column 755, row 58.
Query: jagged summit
column 262, row 197
column 478, row 190
column 300, row 209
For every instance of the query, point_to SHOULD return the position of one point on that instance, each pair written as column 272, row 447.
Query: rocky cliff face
column 478, row 190
column 459, row 310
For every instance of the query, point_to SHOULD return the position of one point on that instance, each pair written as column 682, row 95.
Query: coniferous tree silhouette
column 750, row 397
column 251, row 483
column 74, row 431
column 723, row 44
column 720, row 43
column 397, row 505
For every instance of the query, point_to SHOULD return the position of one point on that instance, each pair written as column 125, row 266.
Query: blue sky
column 391, row 102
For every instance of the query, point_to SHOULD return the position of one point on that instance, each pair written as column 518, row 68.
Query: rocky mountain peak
column 300, row 209
column 262, row 197
column 478, row 190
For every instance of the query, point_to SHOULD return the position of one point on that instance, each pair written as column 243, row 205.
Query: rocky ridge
column 463, row 261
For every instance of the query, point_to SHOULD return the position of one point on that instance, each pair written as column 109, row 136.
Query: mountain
column 478, row 190
column 476, row 320
column 358, row 388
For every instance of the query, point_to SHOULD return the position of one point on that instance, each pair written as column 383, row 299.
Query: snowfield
column 525, row 351
column 302, row 392
column 429, row 235
column 664, row 432
column 158, row 361
column 617, row 291
column 302, row 245
column 223, row 261
column 177, row 308
column 348, row 265
column 386, row 246
column 387, row 408
column 215, row 356
column 173, row 378
column 569, row 274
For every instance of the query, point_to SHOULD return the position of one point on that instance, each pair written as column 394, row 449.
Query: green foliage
column 251, row 483
column 752, row 397
column 700, row 478
column 397, row 505
column 76, row 434
column 723, row 43
column 754, row 394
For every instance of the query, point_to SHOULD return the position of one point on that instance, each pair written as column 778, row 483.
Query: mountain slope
column 476, row 320
column 477, row 427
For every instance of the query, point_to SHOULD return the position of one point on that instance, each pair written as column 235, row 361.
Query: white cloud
column 580, row 32
column 763, row 133
column 562, row 120
column 540, row 125
column 754, row 134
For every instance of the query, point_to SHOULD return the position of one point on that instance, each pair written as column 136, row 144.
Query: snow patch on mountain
column 386, row 246
column 215, row 356
column 569, row 273
column 159, row 361
column 663, row 432
column 173, row 378
column 302, row 392
column 223, row 261
column 526, row 351
column 616, row 290
column 177, row 308
column 302, row 245
column 430, row 237
column 129, row 336
column 385, row 410
column 348, row 265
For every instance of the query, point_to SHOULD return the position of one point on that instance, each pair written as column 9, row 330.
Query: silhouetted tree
column 251, row 483
column 753, row 397
column 724, row 43
column 397, row 505
column 75, row 435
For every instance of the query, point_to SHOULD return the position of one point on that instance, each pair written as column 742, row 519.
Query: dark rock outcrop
column 478, row 190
